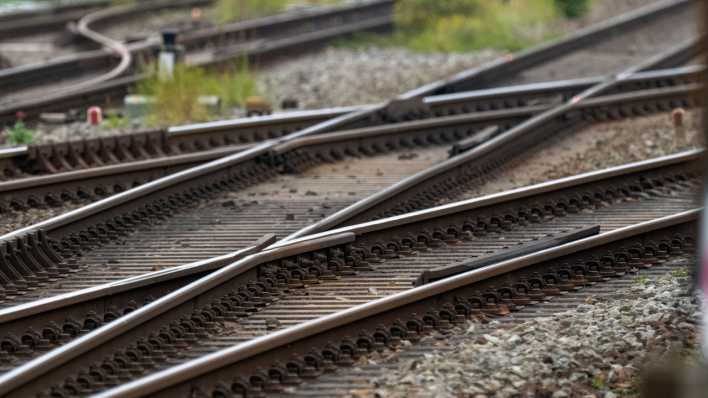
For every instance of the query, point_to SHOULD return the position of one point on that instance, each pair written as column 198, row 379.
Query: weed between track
column 176, row 101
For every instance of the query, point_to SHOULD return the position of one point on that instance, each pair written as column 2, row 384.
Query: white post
column 168, row 55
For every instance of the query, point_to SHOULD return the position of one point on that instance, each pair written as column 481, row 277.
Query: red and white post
column 94, row 115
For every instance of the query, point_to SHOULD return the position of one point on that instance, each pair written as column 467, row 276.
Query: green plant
column 573, row 8
column 114, row 120
column 19, row 134
column 468, row 25
column 177, row 100
column 598, row 382
column 233, row 85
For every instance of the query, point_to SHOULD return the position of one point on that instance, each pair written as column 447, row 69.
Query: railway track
column 303, row 279
column 262, row 40
column 513, row 104
column 277, row 363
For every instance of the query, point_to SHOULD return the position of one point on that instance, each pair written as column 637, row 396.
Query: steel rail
column 119, row 48
column 78, row 222
column 61, row 301
column 494, row 70
column 530, row 92
column 259, row 51
column 141, row 191
column 38, row 366
column 257, row 121
column 287, row 339
column 247, row 28
column 198, row 130
column 435, row 274
column 493, row 147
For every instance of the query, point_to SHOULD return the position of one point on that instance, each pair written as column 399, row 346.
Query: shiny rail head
column 259, row 120
column 14, row 152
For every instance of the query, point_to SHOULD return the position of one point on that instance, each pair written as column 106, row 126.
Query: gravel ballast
column 344, row 76
column 596, row 350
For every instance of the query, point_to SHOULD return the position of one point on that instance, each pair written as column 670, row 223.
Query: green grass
column 176, row 101
column 470, row 25
column 114, row 121
column 19, row 134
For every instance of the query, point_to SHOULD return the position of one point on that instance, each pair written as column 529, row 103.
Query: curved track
column 260, row 40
